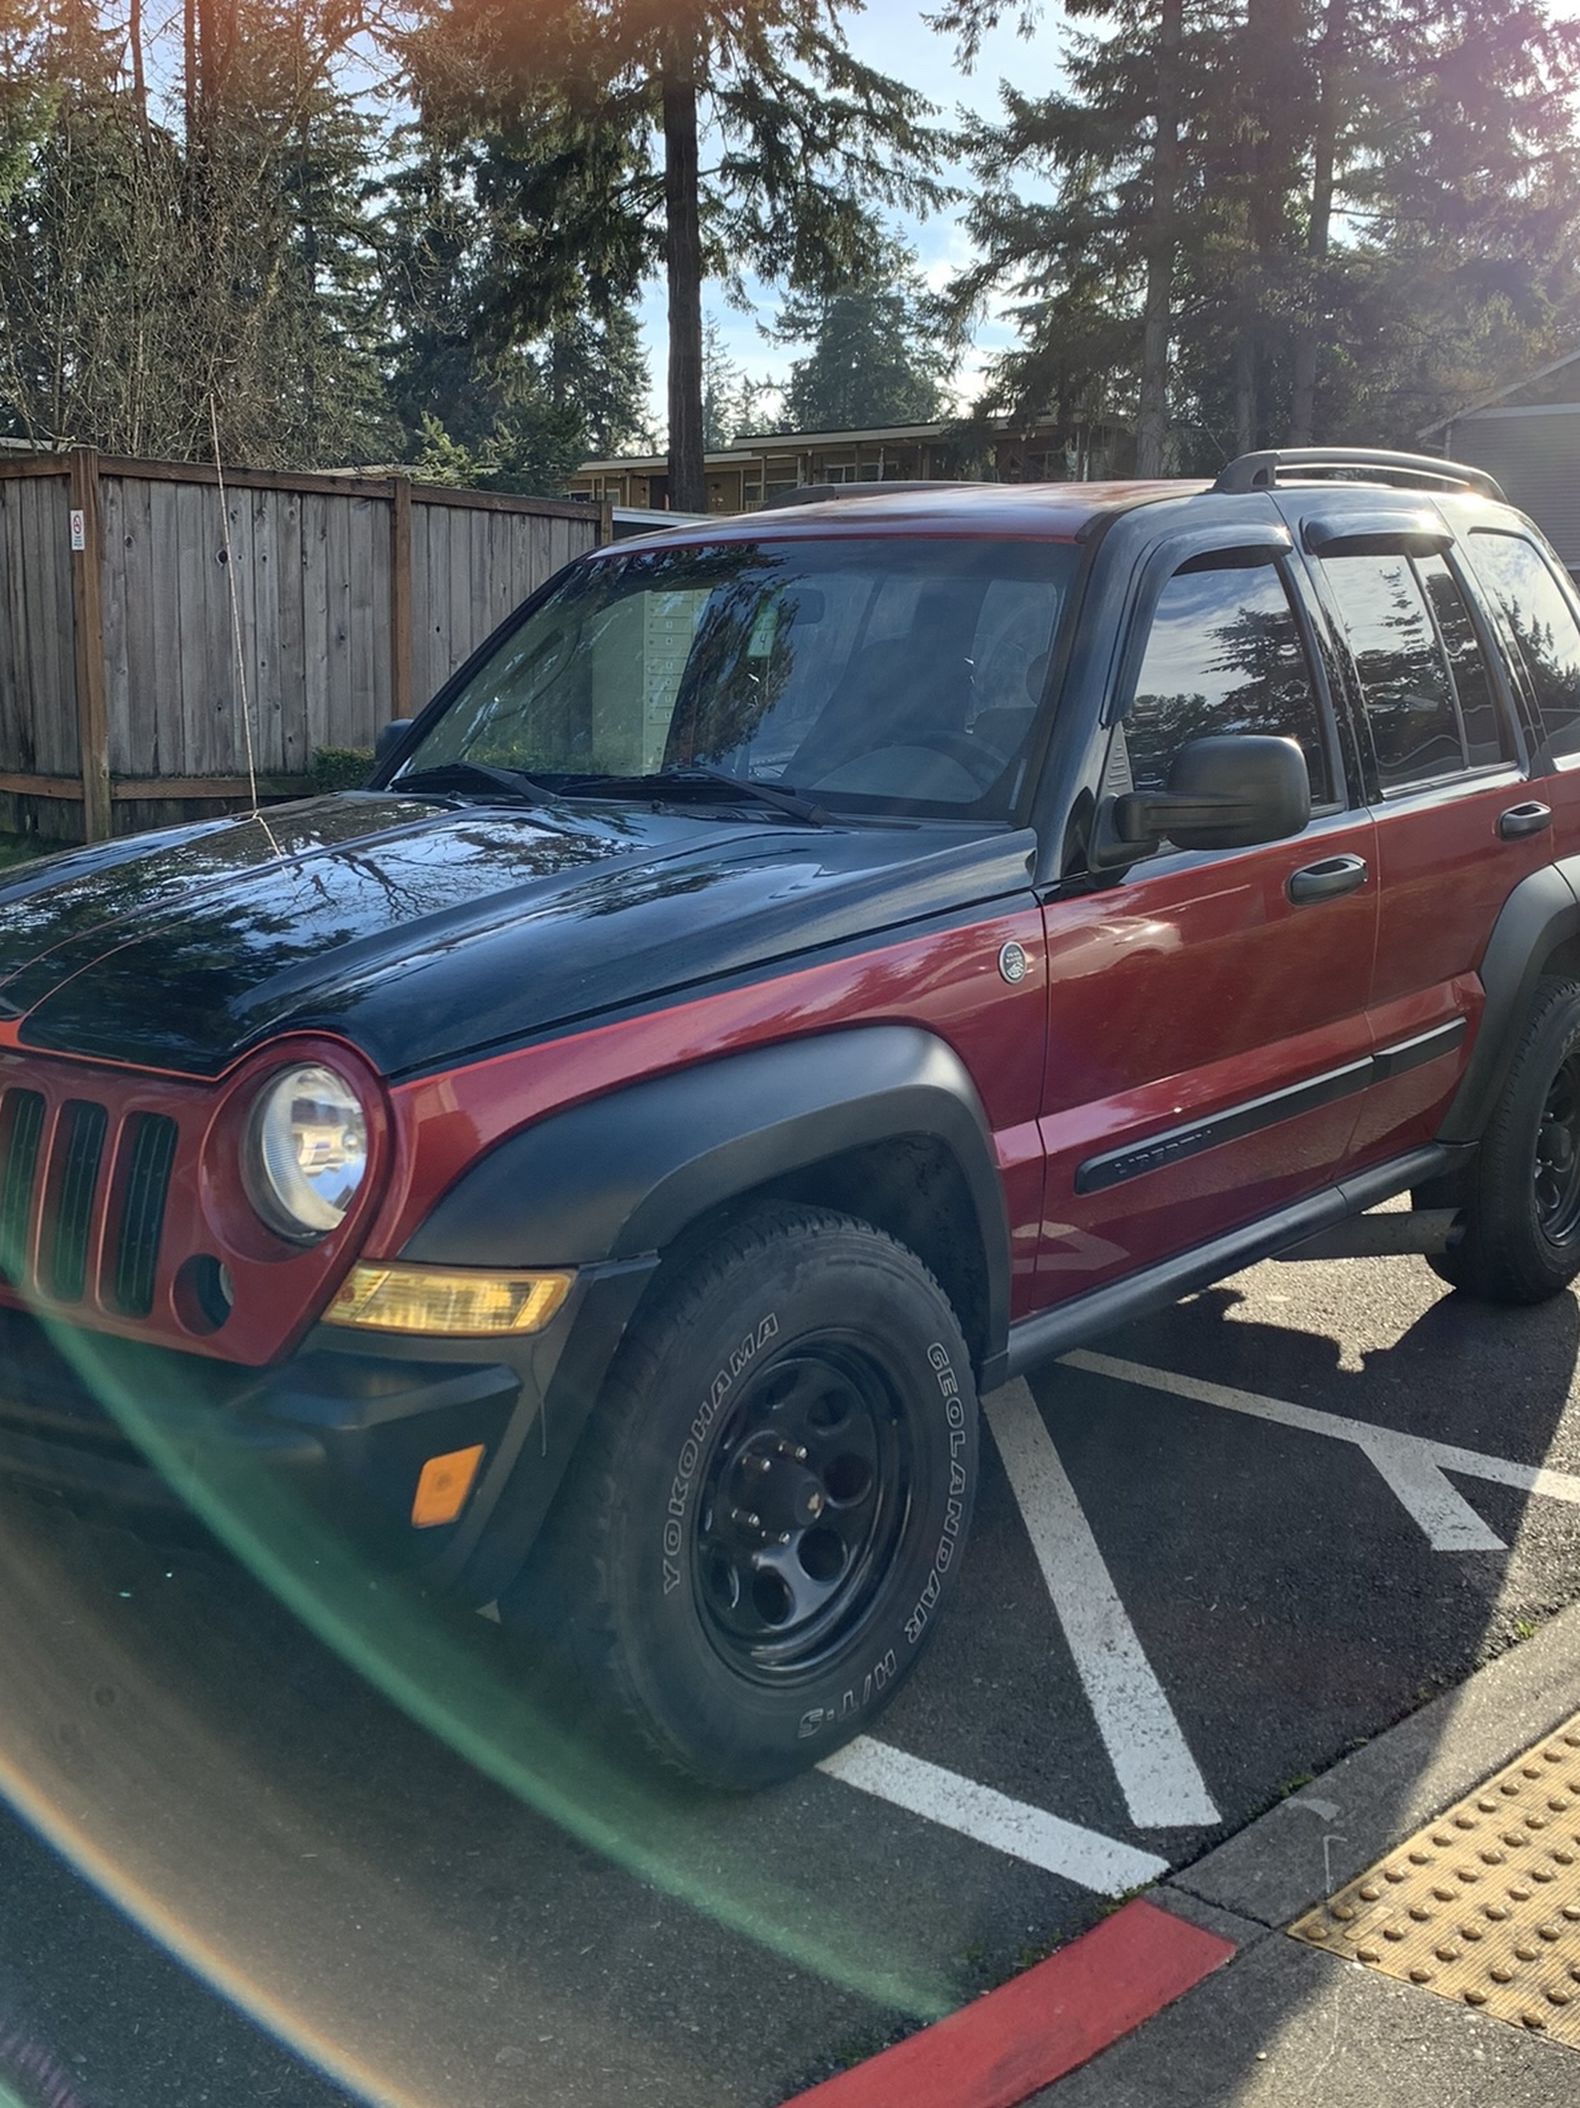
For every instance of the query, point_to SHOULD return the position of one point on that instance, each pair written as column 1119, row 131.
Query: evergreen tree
column 877, row 356
column 522, row 413
column 590, row 116
column 1280, row 219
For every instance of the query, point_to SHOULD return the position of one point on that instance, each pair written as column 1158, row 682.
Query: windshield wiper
column 703, row 775
column 469, row 775
column 778, row 795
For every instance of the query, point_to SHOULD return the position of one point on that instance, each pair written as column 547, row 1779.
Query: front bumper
column 339, row 1432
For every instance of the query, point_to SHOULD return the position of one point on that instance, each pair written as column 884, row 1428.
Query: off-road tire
column 630, row 1582
column 1508, row 1247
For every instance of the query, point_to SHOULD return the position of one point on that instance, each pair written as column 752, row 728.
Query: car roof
column 1056, row 512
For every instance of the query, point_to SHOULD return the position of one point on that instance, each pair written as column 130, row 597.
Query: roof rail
column 822, row 493
column 1261, row 471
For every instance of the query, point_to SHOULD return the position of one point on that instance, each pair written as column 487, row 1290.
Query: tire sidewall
column 1549, row 1048
column 846, row 1283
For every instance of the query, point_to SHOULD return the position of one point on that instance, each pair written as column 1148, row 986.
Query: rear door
column 1535, row 608
column 1207, row 1024
column 1446, row 761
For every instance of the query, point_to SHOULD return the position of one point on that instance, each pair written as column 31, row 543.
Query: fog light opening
column 204, row 1294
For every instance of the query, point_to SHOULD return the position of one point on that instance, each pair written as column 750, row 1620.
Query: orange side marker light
column 444, row 1485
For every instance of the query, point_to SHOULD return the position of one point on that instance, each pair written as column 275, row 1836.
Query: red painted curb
column 1039, row 2026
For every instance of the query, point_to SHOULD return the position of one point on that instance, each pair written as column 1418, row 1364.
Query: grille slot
column 74, row 1169
column 21, row 1132
column 149, row 1159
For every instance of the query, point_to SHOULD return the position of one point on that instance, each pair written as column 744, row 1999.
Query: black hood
column 426, row 933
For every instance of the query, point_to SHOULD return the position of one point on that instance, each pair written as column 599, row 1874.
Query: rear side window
column 1537, row 610
column 1485, row 741
column 1224, row 654
column 1406, row 685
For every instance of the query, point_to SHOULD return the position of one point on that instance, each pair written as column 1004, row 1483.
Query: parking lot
column 1208, row 1559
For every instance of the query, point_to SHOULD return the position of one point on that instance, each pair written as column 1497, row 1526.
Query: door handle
column 1334, row 876
column 1524, row 819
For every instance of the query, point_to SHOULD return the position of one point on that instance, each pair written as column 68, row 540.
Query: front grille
column 62, row 1178
column 149, row 1161
column 73, row 1179
column 21, row 1131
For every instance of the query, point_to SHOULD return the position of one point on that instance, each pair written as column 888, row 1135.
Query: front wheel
column 1519, row 1230
column 769, row 1507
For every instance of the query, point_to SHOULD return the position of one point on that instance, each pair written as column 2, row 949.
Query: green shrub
column 340, row 768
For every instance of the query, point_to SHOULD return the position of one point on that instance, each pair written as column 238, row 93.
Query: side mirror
column 390, row 738
column 1229, row 791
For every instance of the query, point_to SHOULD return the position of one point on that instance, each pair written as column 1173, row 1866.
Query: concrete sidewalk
column 1283, row 2024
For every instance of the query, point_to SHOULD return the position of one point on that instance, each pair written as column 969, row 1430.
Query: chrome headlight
column 306, row 1152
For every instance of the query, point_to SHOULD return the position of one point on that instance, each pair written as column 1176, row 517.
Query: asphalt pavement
column 1211, row 1556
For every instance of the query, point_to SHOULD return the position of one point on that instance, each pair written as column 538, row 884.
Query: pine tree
column 524, row 412
column 877, row 356
column 590, row 113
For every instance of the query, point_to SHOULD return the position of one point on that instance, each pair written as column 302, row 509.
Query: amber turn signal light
column 443, row 1487
column 445, row 1304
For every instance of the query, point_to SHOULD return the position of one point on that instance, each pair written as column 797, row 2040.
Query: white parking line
column 1075, row 1853
column 1412, row 1465
column 1157, row 1774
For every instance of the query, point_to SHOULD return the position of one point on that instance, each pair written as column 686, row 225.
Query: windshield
column 874, row 673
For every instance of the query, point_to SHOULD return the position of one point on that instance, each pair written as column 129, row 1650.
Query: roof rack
column 1261, row 471
column 821, row 493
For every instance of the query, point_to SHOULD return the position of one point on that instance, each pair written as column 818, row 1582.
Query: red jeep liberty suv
column 803, row 970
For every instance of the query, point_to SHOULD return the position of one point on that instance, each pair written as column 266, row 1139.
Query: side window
column 1224, row 654
column 1406, row 686
column 1537, row 610
column 1486, row 742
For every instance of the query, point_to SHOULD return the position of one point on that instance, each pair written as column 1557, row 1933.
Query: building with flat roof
column 1528, row 436
column 741, row 475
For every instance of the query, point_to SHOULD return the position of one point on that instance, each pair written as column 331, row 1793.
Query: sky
column 889, row 35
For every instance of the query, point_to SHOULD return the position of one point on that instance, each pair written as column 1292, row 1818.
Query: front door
column 1208, row 1035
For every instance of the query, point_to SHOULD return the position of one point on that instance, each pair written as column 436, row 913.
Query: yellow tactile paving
column 1483, row 1905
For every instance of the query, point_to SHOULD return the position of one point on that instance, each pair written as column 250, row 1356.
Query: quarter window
column 1224, row 654
column 1406, row 686
column 1538, row 611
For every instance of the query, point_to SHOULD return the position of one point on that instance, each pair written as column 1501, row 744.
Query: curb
column 1041, row 2025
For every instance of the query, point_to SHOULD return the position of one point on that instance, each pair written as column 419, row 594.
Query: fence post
column 605, row 522
column 400, row 597
column 87, row 609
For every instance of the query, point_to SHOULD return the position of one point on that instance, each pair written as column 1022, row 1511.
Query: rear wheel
column 769, row 1507
column 1519, row 1232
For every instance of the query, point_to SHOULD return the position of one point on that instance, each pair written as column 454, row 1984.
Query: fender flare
column 623, row 1175
column 1542, row 913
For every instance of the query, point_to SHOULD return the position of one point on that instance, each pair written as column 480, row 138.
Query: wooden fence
column 354, row 599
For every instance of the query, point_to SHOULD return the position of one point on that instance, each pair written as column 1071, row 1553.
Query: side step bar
column 1083, row 1318
column 1422, row 1231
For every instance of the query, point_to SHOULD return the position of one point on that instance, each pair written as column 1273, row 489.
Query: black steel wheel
column 1518, row 1235
column 768, row 1512
column 1556, row 1170
column 803, row 1504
